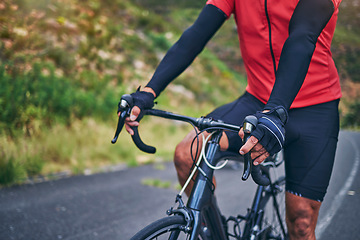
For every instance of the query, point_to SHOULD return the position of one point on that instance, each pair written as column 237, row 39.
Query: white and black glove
column 141, row 99
column 270, row 129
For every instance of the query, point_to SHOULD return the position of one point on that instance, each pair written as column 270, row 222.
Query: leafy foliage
column 41, row 95
column 64, row 62
column 70, row 59
column 352, row 118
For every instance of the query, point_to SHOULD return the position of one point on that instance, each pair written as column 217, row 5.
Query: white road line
column 336, row 203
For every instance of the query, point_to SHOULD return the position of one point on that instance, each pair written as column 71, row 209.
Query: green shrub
column 352, row 118
column 160, row 41
column 33, row 165
column 352, row 65
column 11, row 171
column 41, row 95
column 63, row 59
column 33, row 95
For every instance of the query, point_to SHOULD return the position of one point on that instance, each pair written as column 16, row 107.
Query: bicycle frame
column 203, row 206
column 201, row 200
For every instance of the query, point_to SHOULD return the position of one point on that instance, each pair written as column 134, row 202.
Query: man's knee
column 180, row 156
column 301, row 216
column 300, row 221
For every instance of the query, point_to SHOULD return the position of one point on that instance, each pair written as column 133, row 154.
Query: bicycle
column 201, row 217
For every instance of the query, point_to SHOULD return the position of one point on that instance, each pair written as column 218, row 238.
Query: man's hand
column 142, row 100
column 258, row 152
column 269, row 136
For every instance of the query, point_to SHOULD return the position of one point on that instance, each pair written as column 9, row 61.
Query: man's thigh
column 311, row 140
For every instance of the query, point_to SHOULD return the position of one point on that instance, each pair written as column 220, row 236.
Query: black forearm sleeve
column 190, row 44
column 306, row 24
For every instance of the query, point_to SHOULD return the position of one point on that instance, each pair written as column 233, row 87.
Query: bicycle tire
column 271, row 227
column 171, row 227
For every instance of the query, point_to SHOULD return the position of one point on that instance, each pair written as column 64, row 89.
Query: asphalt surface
column 115, row 205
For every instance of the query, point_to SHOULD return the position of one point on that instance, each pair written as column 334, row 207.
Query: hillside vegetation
column 64, row 65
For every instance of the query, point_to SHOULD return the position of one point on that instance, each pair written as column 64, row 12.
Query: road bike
column 200, row 217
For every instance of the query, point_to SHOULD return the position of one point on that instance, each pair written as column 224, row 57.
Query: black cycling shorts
column 310, row 142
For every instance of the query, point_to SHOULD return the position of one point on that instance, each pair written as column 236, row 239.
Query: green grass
column 85, row 145
column 11, row 171
column 156, row 183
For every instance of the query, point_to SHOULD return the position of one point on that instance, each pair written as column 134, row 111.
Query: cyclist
column 293, row 85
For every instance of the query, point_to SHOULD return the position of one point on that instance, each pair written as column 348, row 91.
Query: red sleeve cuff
column 227, row 6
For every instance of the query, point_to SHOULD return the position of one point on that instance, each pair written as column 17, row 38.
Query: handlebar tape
column 258, row 176
column 256, row 172
column 140, row 144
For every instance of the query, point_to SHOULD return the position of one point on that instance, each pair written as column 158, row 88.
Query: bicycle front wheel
column 273, row 224
column 166, row 228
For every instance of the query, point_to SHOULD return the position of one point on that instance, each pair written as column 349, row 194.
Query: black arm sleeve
column 306, row 24
column 190, row 44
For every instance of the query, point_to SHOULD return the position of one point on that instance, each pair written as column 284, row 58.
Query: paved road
column 115, row 205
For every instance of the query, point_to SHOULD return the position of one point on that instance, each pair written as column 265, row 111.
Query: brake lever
column 119, row 127
column 125, row 104
column 249, row 125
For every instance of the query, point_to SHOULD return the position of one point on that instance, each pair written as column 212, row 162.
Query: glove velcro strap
column 280, row 112
column 273, row 128
column 270, row 129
